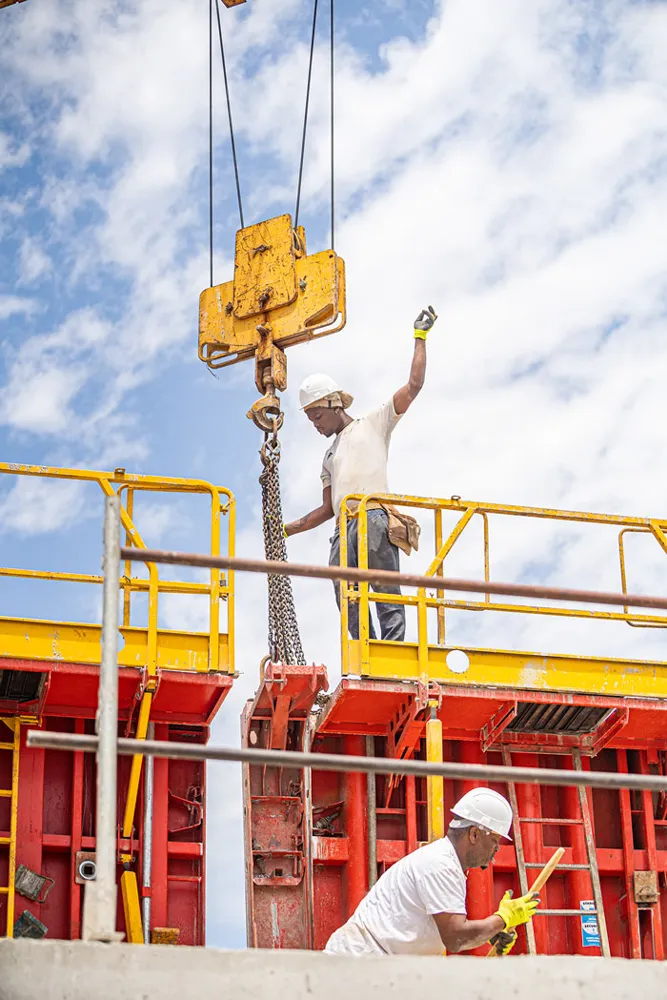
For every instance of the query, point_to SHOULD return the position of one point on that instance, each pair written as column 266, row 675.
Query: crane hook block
column 280, row 296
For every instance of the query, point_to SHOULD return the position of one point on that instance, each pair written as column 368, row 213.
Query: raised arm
column 314, row 518
column 409, row 392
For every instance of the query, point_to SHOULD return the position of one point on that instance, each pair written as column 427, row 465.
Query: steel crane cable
column 305, row 114
column 332, row 80
column 232, row 137
column 332, row 43
column 284, row 640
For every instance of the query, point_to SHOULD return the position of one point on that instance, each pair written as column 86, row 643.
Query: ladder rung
column 554, row 822
column 5, row 793
column 6, row 746
column 572, row 868
column 5, row 840
column 4, row 889
column 564, row 913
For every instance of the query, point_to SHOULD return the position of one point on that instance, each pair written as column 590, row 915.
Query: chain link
column 284, row 639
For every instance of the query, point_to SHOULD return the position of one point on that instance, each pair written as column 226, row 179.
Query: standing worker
column 419, row 905
column 356, row 462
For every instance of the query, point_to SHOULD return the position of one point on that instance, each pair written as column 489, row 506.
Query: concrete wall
column 64, row 970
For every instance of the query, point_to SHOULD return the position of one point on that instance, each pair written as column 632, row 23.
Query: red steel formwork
column 55, row 826
column 175, row 680
column 324, row 820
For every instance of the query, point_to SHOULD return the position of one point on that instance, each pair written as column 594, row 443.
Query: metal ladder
column 13, row 795
column 592, row 866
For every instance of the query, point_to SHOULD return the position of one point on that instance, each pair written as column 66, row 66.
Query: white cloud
column 41, row 403
column 12, row 305
column 39, row 506
column 12, row 154
column 34, row 261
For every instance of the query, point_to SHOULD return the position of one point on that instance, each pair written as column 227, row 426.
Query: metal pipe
column 371, row 797
column 48, row 740
column 388, row 577
column 99, row 920
column 308, row 730
column 147, row 851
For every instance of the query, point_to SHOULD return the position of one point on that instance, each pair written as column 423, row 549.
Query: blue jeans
column 381, row 555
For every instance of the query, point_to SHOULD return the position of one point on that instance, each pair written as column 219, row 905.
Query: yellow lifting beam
column 280, row 296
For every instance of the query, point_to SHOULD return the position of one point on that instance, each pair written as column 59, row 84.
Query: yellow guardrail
column 367, row 657
column 150, row 646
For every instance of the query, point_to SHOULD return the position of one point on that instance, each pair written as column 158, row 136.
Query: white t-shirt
column 357, row 460
column 396, row 917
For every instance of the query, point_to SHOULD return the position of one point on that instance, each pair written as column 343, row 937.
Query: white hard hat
column 484, row 808
column 317, row 387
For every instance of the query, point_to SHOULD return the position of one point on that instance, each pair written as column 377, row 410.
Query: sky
column 504, row 162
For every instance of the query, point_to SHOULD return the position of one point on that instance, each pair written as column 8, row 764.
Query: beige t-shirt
column 357, row 460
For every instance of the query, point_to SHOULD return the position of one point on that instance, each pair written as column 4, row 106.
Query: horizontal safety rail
column 149, row 647
column 357, row 506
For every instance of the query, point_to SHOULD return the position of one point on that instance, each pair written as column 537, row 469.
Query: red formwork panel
column 275, row 810
column 57, row 796
column 325, row 821
column 630, row 828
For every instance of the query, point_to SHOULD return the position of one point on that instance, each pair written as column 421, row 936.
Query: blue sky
column 503, row 161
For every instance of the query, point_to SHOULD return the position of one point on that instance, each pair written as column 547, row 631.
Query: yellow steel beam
column 511, row 510
column 129, row 890
column 10, row 889
column 523, row 609
column 43, row 640
column 504, row 668
column 446, row 547
column 158, row 484
column 137, row 760
column 129, row 583
column 76, row 642
column 435, row 786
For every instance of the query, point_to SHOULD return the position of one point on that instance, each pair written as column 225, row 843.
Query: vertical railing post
column 435, row 785
column 99, row 918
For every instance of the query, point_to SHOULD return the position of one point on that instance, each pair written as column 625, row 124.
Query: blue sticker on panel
column 590, row 932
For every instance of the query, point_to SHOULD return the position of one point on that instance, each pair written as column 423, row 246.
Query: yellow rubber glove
column 424, row 322
column 504, row 941
column 517, row 911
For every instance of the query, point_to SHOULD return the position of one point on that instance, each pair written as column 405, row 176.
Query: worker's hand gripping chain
column 424, row 322
column 517, row 911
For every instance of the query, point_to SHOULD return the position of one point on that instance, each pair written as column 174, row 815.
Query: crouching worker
column 418, row 907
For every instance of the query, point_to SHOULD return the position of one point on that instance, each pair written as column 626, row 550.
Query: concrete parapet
column 75, row 970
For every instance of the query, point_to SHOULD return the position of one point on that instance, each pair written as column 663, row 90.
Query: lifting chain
column 284, row 639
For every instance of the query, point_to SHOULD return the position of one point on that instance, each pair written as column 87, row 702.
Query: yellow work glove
column 517, row 911
column 504, row 941
column 424, row 322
